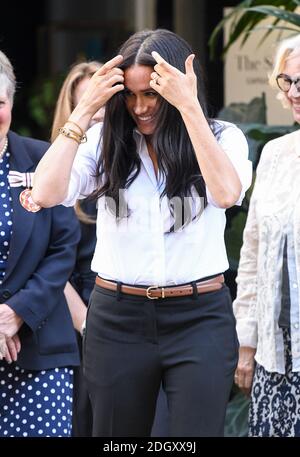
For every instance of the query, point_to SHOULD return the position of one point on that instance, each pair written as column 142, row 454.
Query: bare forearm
column 180, row 89
column 76, row 306
column 216, row 168
column 52, row 175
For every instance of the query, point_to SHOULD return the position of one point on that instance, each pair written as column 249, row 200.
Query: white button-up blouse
column 140, row 249
column 274, row 215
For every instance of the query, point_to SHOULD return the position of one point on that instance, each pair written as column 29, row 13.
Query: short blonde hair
column 66, row 102
column 284, row 50
column 7, row 76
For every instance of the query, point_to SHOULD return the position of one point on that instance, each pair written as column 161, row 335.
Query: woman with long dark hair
column 163, row 174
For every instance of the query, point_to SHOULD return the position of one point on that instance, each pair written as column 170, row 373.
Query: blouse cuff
column 247, row 332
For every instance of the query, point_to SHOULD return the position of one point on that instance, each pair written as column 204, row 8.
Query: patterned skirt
column 275, row 399
column 35, row 403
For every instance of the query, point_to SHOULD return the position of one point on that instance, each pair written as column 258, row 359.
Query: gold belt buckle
column 148, row 292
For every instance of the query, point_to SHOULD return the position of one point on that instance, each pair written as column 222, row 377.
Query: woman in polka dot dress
column 37, row 252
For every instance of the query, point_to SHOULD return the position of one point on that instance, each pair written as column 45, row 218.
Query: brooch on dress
column 17, row 179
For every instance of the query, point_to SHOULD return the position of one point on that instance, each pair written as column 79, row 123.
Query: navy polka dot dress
column 5, row 214
column 32, row 403
column 35, row 403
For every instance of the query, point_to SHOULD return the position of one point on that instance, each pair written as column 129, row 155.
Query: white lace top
column 273, row 214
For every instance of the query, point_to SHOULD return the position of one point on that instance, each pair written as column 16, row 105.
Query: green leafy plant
column 247, row 16
column 34, row 107
column 42, row 101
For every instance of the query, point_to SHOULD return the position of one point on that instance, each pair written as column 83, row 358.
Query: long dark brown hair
column 119, row 163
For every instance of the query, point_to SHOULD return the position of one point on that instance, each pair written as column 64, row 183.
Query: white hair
column 7, row 77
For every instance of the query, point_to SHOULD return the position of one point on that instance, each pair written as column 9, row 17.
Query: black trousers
column 160, row 426
column 133, row 344
column 82, row 410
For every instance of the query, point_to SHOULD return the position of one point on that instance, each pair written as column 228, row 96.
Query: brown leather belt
column 155, row 292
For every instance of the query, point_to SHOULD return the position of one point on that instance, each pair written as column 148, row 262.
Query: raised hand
column 178, row 88
column 106, row 82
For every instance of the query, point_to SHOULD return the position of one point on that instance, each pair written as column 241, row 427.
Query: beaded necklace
column 3, row 151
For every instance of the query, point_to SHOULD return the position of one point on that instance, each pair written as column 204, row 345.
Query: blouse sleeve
column 234, row 144
column 244, row 306
column 83, row 179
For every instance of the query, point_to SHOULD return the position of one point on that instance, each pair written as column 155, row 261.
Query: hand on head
column 178, row 88
column 106, row 82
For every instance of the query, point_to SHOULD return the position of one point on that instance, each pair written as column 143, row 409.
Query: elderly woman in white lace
column 267, row 307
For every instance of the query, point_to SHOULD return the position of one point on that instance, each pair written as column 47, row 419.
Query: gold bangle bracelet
column 82, row 138
column 76, row 125
column 67, row 133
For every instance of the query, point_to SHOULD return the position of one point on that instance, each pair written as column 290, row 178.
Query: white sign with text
column 246, row 73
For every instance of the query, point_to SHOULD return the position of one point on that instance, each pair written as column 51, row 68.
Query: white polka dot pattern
column 35, row 403
column 5, row 213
